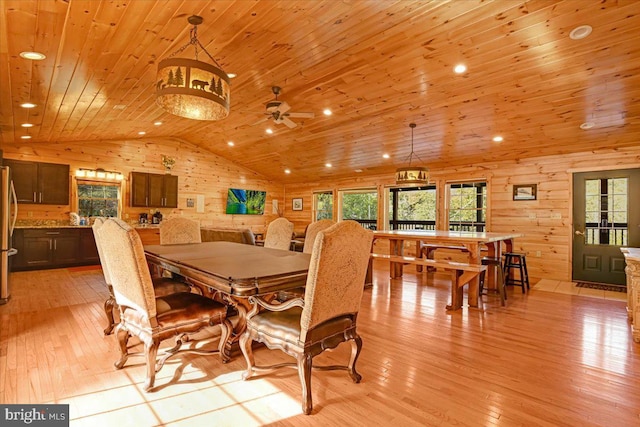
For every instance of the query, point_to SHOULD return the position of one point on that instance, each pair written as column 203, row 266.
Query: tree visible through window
column 99, row 199
column 468, row 206
column 323, row 205
column 412, row 208
column 361, row 206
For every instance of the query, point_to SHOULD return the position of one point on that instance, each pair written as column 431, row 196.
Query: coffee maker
column 144, row 218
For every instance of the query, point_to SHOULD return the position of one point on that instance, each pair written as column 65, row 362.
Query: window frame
column 98, row 181
column 481, row 209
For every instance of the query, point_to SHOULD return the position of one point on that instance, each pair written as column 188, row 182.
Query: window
column 412, row 208
column 98, row 198
column 606, row 211
column 468, row 206
column 323, row 205
column 361, row 206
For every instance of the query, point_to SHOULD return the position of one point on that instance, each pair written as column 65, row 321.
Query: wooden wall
column 545, row 222
column 199, row 173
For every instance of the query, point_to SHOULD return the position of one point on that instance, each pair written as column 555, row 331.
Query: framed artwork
column 525, row 192
column 297, row 204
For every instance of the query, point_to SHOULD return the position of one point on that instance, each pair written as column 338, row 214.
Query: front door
column 604, row 220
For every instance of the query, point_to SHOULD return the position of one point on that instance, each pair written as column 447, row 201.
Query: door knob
column 579, row 233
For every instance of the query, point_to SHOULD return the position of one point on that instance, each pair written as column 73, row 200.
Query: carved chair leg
column 356, row 347
column 245, row 346
column 305, row 362
column 226, row 327
column 109, row 305
column 123, row 338
column 151, row 353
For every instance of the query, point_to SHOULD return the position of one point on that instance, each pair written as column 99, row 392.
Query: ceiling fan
column 279, row 112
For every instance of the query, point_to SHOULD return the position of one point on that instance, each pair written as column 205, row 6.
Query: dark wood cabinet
column 40, row 248
column 150, row 190
column 40, row 183
column 88, row 249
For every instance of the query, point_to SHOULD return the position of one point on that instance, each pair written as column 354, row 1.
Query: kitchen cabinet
column 150, row 190
column 40, row 248
column 40, row 183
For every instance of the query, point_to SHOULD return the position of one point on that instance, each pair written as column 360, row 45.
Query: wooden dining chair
column 325, row 317
column 279, row 234
column 162, row 286
column 179, row 230
column 147, row 316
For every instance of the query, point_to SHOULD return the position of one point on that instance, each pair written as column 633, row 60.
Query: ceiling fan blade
column 284, row 107
column 301, row 115
column 261, row 121
column 287, row 121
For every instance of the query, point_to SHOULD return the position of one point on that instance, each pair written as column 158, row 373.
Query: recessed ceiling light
column 498, row 138
column 580, row 32
column 27, row 125
column 36, row 56
column 358, row 170
column 586, row 125
column 385, row 156
column 142, row 132
column 460, row 68
column 269, row 131
column 158, row 123
column 230, row 144
column 328, row 165
column 232, row 75
column 25, row 137
column 327, row 112
column 28, row 105
column 287, row 171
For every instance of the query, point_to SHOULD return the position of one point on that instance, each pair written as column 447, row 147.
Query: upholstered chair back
column 178, row 230
column 97, row 223
column 312, row 231
column 279, row 233
column 124, row 257
column 337, row 271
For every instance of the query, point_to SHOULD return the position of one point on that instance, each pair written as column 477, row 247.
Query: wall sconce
column 99, row 174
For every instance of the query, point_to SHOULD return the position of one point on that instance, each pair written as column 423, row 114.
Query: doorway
column 604, row 220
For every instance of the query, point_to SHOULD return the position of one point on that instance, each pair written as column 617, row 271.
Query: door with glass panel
column 605, row 218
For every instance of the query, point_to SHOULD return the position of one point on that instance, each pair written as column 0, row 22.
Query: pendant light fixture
column 191, row 88
column 412, row 174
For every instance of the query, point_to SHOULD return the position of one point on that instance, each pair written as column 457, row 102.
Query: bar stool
column 518, row 262
column 497, row 264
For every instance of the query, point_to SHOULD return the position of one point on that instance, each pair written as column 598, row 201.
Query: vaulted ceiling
column 378, row 65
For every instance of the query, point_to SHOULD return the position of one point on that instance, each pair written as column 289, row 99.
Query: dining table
column 472, row 242
column 232, row 272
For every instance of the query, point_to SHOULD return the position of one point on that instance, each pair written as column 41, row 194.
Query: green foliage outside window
column 468, row 206
column 360, row 205
column 324, row 205
column 98, row 200
column 414, row 204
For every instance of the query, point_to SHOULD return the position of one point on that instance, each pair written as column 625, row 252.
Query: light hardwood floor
column 546, row 359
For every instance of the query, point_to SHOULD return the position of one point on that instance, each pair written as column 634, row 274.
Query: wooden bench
column 461, row 273
column 426, row 250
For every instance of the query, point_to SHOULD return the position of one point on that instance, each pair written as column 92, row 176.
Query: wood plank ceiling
column 378, row 65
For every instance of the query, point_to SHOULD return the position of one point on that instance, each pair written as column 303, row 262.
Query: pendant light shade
column 191, row 88
column 412, row 174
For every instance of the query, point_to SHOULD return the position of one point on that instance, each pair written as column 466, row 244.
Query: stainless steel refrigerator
column 8, row 215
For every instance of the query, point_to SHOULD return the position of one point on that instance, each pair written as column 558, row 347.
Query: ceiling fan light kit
column 279, row 112
column 412, row 174
column 191, row 88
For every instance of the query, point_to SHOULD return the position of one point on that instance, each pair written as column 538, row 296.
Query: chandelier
column 191, row 88
column 412, row 174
